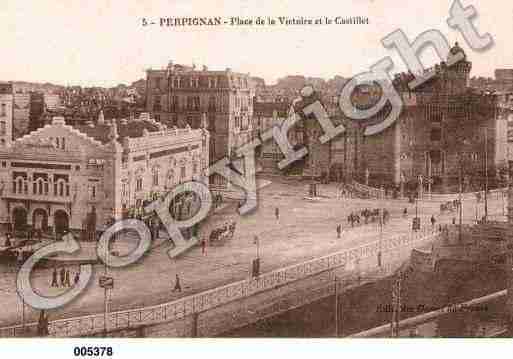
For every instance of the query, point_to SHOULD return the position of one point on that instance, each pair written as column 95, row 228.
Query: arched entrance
column 19, row 216
column 40, row 220
column 61, row 222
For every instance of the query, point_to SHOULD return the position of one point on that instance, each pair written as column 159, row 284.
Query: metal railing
column 201, row 302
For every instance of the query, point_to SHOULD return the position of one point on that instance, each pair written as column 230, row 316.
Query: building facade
column 6, row 114
column 61, row 177
column 446, row 131
column 266, row 116
column 21, row 114
column 221, row 101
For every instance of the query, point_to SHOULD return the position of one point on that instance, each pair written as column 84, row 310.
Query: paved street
column 305, row 230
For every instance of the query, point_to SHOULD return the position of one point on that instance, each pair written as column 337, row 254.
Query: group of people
column 368, row 215
column 450, row 206
column 224, row 232
column 61, row 278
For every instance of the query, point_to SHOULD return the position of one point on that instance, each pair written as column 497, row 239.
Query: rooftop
column 133, row 128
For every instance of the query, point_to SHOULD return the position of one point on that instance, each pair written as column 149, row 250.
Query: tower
column 6, row 114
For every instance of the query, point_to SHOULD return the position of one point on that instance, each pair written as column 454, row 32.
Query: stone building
column 222, row 101
column 61, row 177
column 267, row 115
column 6, row 114
column 21, row 114
column 444, row 126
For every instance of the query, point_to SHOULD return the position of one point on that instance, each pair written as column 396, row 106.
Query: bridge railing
column 92, row 324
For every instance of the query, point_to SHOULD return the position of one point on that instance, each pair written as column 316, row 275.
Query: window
column 3, row 111
column 212, row 103
column 138, row 184
column 156, row 177
column 2, row 128
column 436, row 134
column 124, row 190
column 182, row 173
column 173, row 106
column 157, row 82
column 157, row 105
column 195, row 168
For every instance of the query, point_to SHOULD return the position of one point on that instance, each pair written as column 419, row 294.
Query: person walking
column 62, row 275
column 204, row 246
column 277, row 213
column 178, row 286
column 433, row 221
column 8, row 240
column 453, row 220
column 339, row 230
column 42, row 325
column 55, row 282
column 77, row 278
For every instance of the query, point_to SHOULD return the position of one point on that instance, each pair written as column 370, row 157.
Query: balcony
column 44, row 198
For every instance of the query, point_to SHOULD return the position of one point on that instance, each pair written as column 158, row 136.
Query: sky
column 103, row 42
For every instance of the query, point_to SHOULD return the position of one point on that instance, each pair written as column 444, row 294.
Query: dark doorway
column 40, row 220
column 20, row 218
column 61, row 222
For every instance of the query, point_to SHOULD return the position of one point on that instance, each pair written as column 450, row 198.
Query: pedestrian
column 339, row 229
column 8, row 240
column 178, row 286
column 405, row 212
column 77, row 277
column 204, row 246
column 440, row 228
column 55, row 282
column 277, row 213
column 433, row 221
column 42, row 325
column 453, row 220
column 66, row 279
column 62, row 274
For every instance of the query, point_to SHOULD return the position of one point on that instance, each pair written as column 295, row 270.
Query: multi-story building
column 6, row 114
column 52, row 101
column 267, row 115
column 445, row 126
column 21, row 114
column 221, row 101
column 61, row 177
column 37, row 109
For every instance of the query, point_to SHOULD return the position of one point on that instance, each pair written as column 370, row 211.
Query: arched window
column 19, row 184
column 155, row 176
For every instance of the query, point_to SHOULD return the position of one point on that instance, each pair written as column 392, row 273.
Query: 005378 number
column 92, row 351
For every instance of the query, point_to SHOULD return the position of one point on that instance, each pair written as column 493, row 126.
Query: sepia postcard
column 255, row 169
